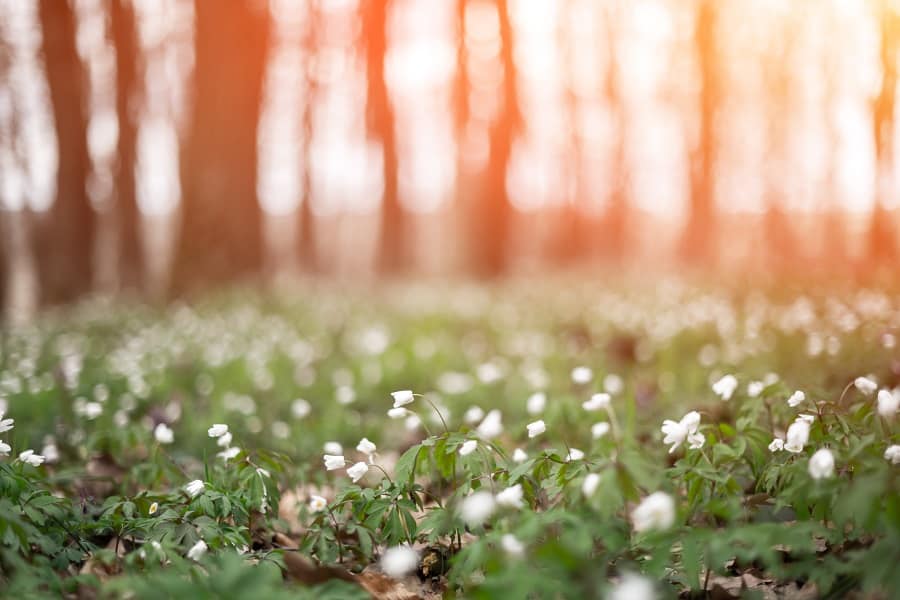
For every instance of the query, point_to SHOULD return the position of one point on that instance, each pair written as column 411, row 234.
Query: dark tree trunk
column 380, row 123
column 699, row 237
column 492, row 223
column 881, row 231
column 130, row 263
column 65, row 241
column 221, row 235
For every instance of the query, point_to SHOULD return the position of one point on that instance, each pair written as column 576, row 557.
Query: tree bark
column 221, row 235
column 392, row 251
column 130, row 259
column 492, row 223
column 65, row 240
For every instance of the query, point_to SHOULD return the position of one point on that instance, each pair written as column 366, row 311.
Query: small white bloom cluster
column 685, row 430
column 220, row 433
column 725, row 387
column 5, row 425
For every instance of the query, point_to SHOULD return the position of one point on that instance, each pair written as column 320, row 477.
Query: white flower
column 893, row 454
column 519, row 455
column 574, row 454
column 796, row 399
column 821, row 464
column 865, row 385
column 797, row 436
column 468, row 447
column 332, row 448
column 535, row 429
column 597, row 402
column 725, row 387
column 402, row 398
column 397, row 413
column 153, row 508
column 473, row 415
column 229, row 453
column 50, row 451
column 598, row 430
column 399, row 561
column 194, row 488
column 412, row 422
column 511, row 497
column 633, row 587
column 676, row 433
column 224, row 441
column 476, row 508
column 582, row 375
column 317, row 503
column 6, row 424
column 656, row 511
column 536, row 403
column 776, row 445
column 613, row 384
column 345, row 395
column 491, row 426
column 163, row 434
column 358, row 471
column 217, row 430
column 888, row 403
column 5, row 449
column 28, row 456
column 755, row 388
column 511, row 545
column 333, row 462
column 366, row 447
column 589, row 485
column 197, row 551
column 91, row 410
column 696, row 440
column 300, row 408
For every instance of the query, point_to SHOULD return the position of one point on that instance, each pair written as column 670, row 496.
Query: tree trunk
column 64, row 242
column 221, row 235
column 881, row 232
column 494, row 214
column 306, row 241
column 616, row 218
column 381, row 126
column 130, row 259
column 699, row 236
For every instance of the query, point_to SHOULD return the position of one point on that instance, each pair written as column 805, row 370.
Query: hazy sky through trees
column 560, row 49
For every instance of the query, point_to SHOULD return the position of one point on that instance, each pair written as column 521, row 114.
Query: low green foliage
column 140, row 496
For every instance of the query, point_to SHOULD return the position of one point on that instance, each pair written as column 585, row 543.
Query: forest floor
column 531, row 439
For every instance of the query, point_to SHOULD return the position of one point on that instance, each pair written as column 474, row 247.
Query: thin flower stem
column 380, row 468
column 844, row 393
column 440, row 416
column 337, row 536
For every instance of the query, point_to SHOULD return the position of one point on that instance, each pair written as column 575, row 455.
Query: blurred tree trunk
column 616, row 218
column 460, row 100
column 380, row 123
column 881, row 232
column 128, row 86
column 65, row 239
column 306, row 239
column 494, row 213
column 221, row 234
column 780, row 249
column 698, row 242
